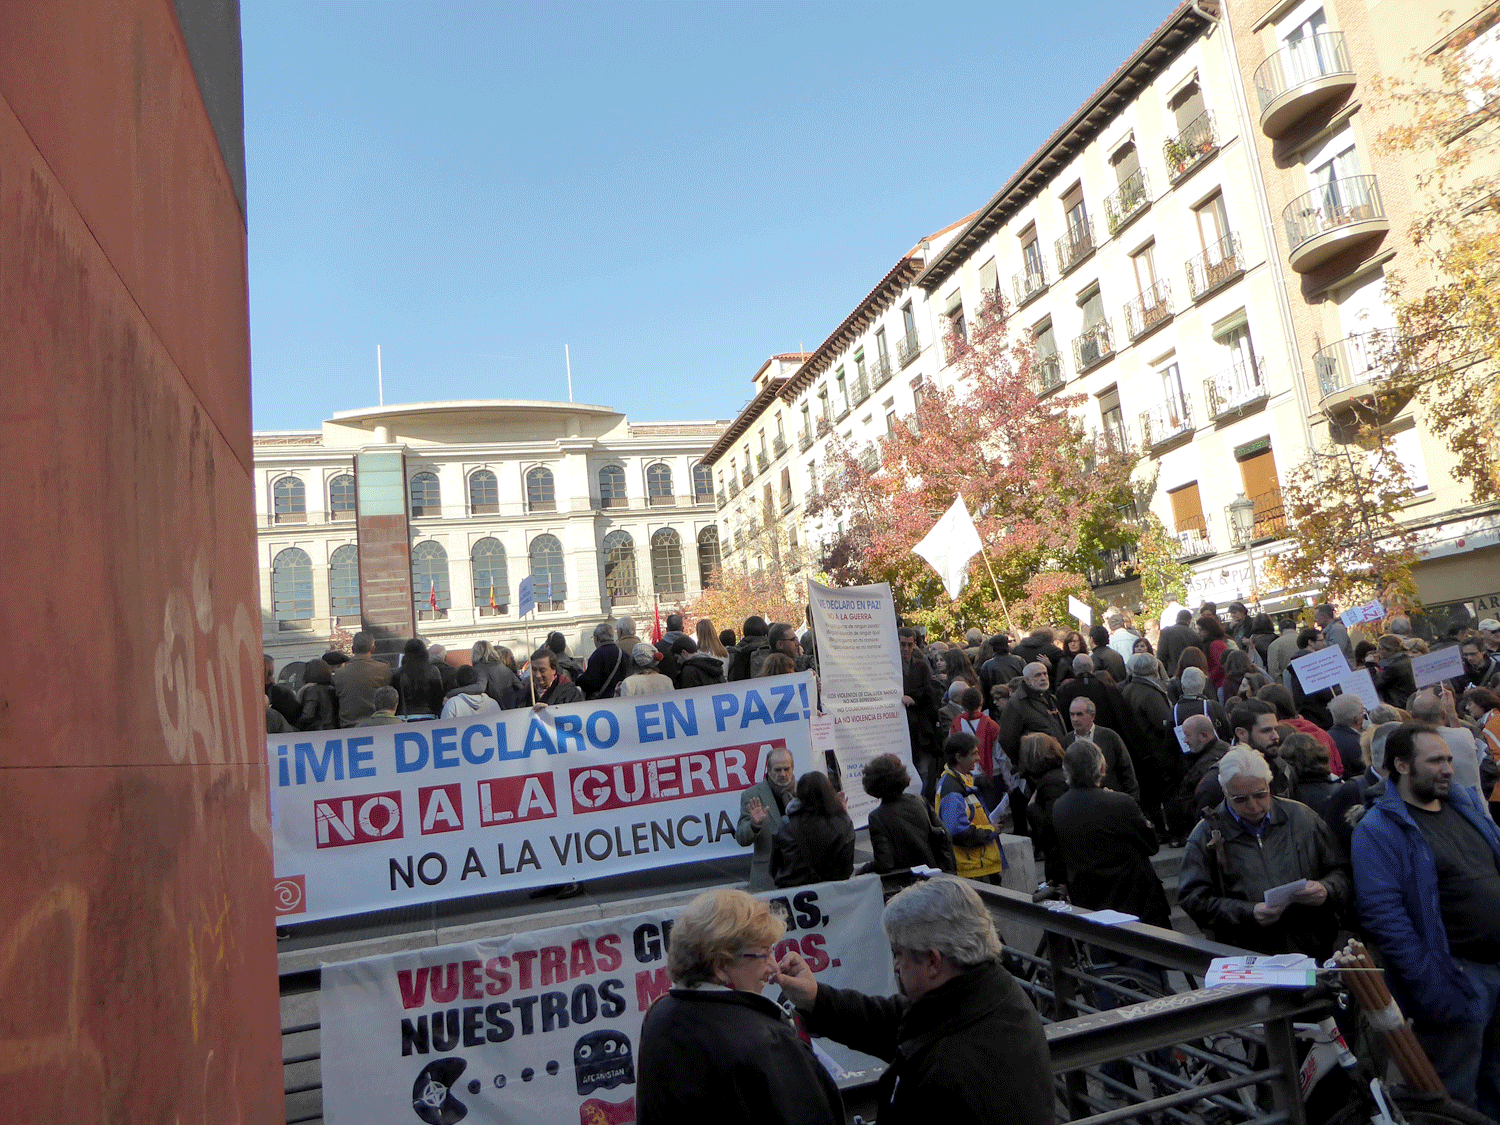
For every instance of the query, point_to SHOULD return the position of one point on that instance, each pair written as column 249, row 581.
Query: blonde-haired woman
column 715, row 1049
column 499, row 682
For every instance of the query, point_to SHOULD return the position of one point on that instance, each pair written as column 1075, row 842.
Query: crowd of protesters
column 1101, row 747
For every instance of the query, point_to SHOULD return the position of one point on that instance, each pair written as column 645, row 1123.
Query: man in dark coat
column 921, row 697
column 1107, row 843
column 1205, row 748
column 1155, row 750
column 1031, row 708
column 1394, row 680
column 1109, row 704
column 1175, row 639
column 762, row 809
column 438, row 654
column 356, row 681
column 1038, row 649
column 1106, row 658
column 1000, row 668
column 746, row 658
column 1119, row 768
column 608, row 664
column 960, row 1016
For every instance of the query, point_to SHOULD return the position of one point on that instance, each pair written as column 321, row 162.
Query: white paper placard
column 1081, row 611
column 1325, row 668
column 1358, row 615
column 1359, row 682
column 1432, row 667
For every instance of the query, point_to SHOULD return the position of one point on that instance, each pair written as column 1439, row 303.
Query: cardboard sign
column 1358, row 615
column 1434, row 667
column 526, row 596
column 1360, row 683
column 1320, row 670
column 1079, row 610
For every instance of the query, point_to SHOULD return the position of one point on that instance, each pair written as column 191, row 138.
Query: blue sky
column 676, row 191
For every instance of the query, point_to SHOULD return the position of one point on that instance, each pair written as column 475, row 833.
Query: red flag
column 432, row 593
column 492, row 595
column 656, row 629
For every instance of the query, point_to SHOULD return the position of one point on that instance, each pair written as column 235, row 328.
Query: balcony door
column 1305, row 52
column 1172, row 392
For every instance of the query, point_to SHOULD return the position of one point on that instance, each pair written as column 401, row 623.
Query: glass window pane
column 426, row 500
column 429, row 576
column 666, row 562
column 484, row 493
column 491, row 577
column 292, row 585
column 341, row 497
column 290, row 499
column 540, row 496
column 620, row 581
column 709, row 561
column 343, row 582
column 549, row 585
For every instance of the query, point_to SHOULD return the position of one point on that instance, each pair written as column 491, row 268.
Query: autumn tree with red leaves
column 1047, row 496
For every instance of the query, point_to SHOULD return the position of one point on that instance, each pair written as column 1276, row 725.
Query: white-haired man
column 960, row 1013
column 1252, row 843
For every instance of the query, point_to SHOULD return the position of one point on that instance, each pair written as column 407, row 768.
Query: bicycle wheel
column 1435, row 1109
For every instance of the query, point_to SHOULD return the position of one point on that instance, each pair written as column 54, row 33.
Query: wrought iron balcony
column 1324, row 222
column 1193, row 539
column 1301, row 77
column 605, row 502
column 762, row 463
column 1149, row 311
column 824, row 425
column 842, row 412
column 703, row 498
column 880, row 371
column 719, row 497
column 810, row 496
column 1049, row 372
column 746, row 476
column 1191, row 147
column 1166, row 422
column 1093, row 346
column 1129, row 201
column 734, row 487
column 907, row 349
column 1352, row 363
column 1270, row 515
column 1030, row 283
column 861, row 389
column 1075, row 246
column 786, row 499
column 778, row 446
column 869, row 459
column 1235, row 390
column 1216, row 267
column 804, row 440
column 666, row 500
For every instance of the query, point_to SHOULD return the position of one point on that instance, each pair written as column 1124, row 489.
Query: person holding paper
column 1254, row 842
column 1326, row 618
column 1427, row 869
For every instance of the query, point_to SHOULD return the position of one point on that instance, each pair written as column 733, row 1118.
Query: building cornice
column 742, row 422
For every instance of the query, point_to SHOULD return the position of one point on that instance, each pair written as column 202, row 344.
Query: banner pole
column 984, row 554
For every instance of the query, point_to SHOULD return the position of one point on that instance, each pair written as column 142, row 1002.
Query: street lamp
column 1241, row 512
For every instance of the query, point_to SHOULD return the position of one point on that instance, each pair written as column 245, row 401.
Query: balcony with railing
column 746, row 476
column 1030, row 284
column 907, row 349
column 786, row 499
column 804, row 440
column 824, row 425
column 861, row 389
column 719, row 497
column 810, row 496
column 880, row 370
column 1216, row 267
column 1075, row 246
column 1193, row 539
column 734, row 487
column 778, row 446
column 1149, row 311
column 702, row 499
column 1166, row 422
column 1300, row 78
column 1235, row 391
column 762, row 463
column 842, row 412
column 1093, row 346
column 1190, row 148
column 1330, row 219
column 1049, row 373
column 1348, row 367
column 1129, row 200
column 1270, row 516
column 869, row 459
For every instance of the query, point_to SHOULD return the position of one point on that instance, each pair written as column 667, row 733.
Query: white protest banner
column 1440, row 664
column 1325, row 668
column 374, row 817
column 526, row 596
column 859, row 673
column 544, row 1027
column 1358, row 615
column 1081, row 611
column 1360, row 683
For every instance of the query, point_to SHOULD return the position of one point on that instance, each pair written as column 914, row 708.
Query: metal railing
column 1075, row 246
column 1195, row 143
column 702, row 498
column 1235, row 388
column 1129, row 200
column 1029, row 283
column 786, row 499
column 804, row 440
column 842, row 412
column 1308, row 59
column 663, row 500
column 1220, row 264
column 762, row 462
column 861, row 389
column 1165, row 421
column 1270, row 515
column 869, row 459
column 1193, row 539
column 907, row 349
column 746, row 476
column 719, row 497
column 1151, row 309
column 1338, row 203
column 880, row 370
column 605, row 502
column 734, row 487
column 1049, row 372
column 1364, row 357
column 778, row 445
column 1093, row 346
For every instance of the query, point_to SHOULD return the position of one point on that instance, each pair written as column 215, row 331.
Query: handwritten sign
column 1360, row 683
column 1081, row 611
column 1320, row 670
column 1433, row 667
column 1358, row 615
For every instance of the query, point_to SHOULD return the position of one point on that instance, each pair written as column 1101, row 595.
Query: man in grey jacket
column 762, row 809
column 356, row 682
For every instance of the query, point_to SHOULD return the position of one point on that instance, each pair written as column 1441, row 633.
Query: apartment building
column 382, row 512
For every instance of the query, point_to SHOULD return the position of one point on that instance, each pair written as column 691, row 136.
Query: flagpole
column 985, row 555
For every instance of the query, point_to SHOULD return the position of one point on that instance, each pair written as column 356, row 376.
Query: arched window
column 291, row 585
column 666, row 562
column 429, row 577
column 343, row 584
column 290, row 500
column 540, row 496
column 703, row 484
column 709, row 561
column 491, row 579
column 426, row 498
column 549, row 585
column 484, row 493
column 659, row 486
column 612, row 487
column 620, row 581
column 341, row 497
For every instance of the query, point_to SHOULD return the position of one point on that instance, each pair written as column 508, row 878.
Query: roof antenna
column 568, row 359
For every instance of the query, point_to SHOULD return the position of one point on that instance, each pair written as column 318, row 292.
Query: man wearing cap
column 1489, row 634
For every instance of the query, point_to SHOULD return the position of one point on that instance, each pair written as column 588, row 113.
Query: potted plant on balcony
column 1178, row 154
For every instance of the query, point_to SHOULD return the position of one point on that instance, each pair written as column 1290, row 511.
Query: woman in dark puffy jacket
column 500, row 683
column 419, row 684
column 1041, row 761
column 694, row 667
column 815, row 843
column 318, row 701
column 904, row 829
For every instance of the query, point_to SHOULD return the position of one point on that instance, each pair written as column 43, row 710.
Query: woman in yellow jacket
column 976, row 844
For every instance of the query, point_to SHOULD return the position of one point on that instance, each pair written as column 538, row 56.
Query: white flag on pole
column 949, row 546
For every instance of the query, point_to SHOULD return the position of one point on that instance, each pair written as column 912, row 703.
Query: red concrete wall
column 137, row 949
